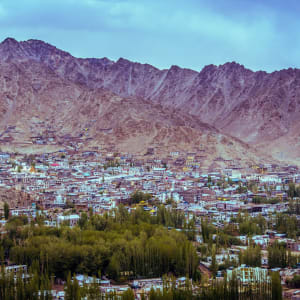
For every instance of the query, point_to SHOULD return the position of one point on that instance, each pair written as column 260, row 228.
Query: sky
column 260, row 34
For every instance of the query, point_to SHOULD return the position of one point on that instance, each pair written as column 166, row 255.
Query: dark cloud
column 258, row 34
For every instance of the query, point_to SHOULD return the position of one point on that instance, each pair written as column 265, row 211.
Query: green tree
column 277, row 255
column 128, row 295
column 214, row 264
column 292, row 192
column 93, row 291
column 276, row 286
column 72, row 289
column 294, row 282
column 251, row 256
column 6, row 210
column 83, row 221
column 138, row 196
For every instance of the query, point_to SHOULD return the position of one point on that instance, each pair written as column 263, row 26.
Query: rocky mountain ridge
column 256, row 107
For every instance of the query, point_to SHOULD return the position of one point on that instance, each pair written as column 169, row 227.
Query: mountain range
column 226, row 111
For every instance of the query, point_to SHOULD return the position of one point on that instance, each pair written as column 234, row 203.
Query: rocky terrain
column 223, row 109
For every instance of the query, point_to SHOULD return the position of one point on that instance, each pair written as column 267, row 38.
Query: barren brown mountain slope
column 36, row 102
column 145, row 105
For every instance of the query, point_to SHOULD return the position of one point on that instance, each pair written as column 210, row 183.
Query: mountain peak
column 234, row 66
column 9, row 40
column 37, row 48
column 10, row 43
column 30, row 49
column 40, row 43
column 10, row 48
column 174, row 69
column 122, row 61
column 208, row 68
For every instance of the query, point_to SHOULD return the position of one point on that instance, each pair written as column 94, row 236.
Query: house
column 86, row 280
column 262, row 240
column 292, row 245
column 71, row 220
column 15, row 269
column 249, row 275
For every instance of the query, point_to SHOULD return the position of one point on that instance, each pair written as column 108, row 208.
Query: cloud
column 190, row 33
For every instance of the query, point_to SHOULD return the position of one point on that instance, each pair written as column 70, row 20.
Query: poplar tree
column 276, row 286
column 6, row 210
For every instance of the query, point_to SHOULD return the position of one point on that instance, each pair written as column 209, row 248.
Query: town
column 244, row 220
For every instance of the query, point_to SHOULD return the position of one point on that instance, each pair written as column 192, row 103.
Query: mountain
column 144, row 106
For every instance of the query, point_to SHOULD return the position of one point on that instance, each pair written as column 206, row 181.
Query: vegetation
column 111, row 164
column 214, row 265
column 35, row 286
column 251, row 256
column 293, row 191
column 38, row 287
column 265, row 200
column 139, row 196
column 6, row 210
column 207, row 230
column 251, row 226
column 294, row 283
column 294, row 206
column 121, row 245
column 276, row 286
column 285, row 223
column 278, row 256
column 222, row 290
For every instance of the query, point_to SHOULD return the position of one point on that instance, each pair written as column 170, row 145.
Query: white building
column 249, row 274
column 72, row 220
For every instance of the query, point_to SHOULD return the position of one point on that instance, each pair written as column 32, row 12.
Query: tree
column 292, row 190
column 93, row 291
column 241, row 189
column 206, row 230
column 6, row 210
column 128, row 295
column 294, row 283
column 214, row 264
column 139, row 196
column 277, row 255
column 13, row 164
column 114, row 266
column 294, row 205
column 122, row 245
column 251, row 256
column 287, row 224
column 69, row 204
column 83, row 220
column 276, row 286
column 72, row 289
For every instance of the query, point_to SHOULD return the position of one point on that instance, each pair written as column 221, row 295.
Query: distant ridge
column 259, row 108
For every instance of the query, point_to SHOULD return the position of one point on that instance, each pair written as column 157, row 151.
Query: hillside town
column 234, row 216
column 149, row 150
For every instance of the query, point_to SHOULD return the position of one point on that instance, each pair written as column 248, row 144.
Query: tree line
column 227, row 289
column 122, row 245
column 38, row 287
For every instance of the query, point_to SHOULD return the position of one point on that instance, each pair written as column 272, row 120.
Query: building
column 248, row 275
column 71, row 220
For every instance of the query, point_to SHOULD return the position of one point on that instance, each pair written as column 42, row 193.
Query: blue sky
column 260, row 34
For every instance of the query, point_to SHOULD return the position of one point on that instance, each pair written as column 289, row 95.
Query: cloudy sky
column 260, row 34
